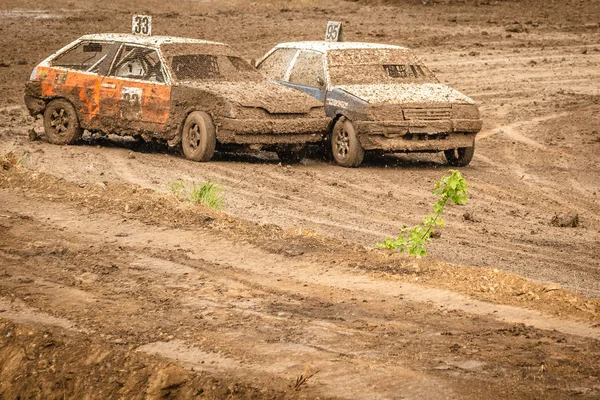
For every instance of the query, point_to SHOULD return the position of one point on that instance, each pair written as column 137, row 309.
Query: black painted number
column 332, row 32
column 133, row 99
column 141, row 25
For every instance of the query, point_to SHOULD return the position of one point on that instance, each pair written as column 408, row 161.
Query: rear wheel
column 61, row 122
column 460, row 157
column 345, row 146
column 198, row 137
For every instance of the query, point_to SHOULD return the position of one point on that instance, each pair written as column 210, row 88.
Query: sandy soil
column 104, row 272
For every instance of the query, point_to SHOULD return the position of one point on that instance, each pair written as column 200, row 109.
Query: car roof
column 324, row 46
column 145, row 40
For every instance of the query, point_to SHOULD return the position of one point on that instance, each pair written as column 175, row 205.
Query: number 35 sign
column 141, row 25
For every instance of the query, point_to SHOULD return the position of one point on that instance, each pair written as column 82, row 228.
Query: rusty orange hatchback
column 196, row 94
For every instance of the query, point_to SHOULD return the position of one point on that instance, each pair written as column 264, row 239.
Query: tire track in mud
column 539, row 185
column 351, row 212
column 209, row 248
column 299, row 312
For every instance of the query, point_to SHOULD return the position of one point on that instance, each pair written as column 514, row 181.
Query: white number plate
column 334, row 31
column 141, row 25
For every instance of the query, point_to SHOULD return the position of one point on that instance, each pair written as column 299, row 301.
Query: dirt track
column 251, row 305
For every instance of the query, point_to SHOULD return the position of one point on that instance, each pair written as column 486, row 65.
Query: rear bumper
column 293, row 130
column 414, row 135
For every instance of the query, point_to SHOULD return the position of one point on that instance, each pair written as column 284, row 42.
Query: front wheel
column 460, row 157
column 345, row 146
column 198, row 137
column 61, row 122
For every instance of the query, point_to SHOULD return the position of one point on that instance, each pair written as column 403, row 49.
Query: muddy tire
column 291, row 156
column 61, row 122
column 460, row 157
column 198, row 137
column 345, row 146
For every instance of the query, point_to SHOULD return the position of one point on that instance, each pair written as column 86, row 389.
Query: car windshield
column 206, row 62
column 373, row 66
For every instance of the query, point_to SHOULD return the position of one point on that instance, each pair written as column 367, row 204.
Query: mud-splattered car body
column 149, row 86
column 392, row 100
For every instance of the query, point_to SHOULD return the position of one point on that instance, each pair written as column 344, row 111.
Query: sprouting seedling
column 304, row 377
column 452, row 188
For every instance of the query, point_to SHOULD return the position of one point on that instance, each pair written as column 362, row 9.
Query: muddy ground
column 112, row 287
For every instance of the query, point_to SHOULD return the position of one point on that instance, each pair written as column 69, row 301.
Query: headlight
column 248, row 113
column 465, row 111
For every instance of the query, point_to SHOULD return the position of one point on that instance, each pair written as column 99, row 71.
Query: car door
column 136, row 93
column 76, row 73
column 307, row 74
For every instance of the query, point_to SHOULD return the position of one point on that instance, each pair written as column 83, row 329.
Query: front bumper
column 288, row 130
column 35, row 105
column 415, row 135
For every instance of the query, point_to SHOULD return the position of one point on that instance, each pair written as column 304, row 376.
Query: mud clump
column 565, row 220
column 8, row 161
column 53, row 363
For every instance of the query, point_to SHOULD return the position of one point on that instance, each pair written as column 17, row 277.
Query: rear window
column 404, row 70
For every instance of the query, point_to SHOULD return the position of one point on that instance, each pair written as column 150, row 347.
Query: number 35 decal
column 141, row 25
column 131, row 103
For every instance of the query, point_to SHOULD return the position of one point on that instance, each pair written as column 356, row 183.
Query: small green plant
column 207, row 193
column 10, row 160
column 177, row 188
column 452, row 188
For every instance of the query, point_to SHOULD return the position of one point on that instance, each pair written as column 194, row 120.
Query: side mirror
column 320, row 81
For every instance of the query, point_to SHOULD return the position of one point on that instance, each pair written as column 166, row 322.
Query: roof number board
column 334, row 31
column 141, row 25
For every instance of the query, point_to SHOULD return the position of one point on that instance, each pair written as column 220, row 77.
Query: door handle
column 109, row 85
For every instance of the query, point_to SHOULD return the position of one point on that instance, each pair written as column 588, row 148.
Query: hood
column 276, row 99
column 401, row 93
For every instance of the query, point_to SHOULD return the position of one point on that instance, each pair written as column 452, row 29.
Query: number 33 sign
column 334, row 31
column 141, row 25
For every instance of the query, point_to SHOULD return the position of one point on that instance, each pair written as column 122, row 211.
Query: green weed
column 208, row 193
column 451, row 189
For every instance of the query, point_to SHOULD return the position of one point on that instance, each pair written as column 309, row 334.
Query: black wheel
column 198, row 139
column 291, row 156
column 61, row 122
column 345, row 146
column 460, row 157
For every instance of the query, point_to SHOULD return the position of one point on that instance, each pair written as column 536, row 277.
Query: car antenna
column 334, row 31
column 141, row 25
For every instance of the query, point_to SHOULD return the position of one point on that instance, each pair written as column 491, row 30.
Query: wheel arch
column 187, row 100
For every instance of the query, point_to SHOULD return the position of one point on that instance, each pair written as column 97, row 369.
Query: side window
column 308, row 69
column 86, row 56
column 138, row 63
column 276, row 65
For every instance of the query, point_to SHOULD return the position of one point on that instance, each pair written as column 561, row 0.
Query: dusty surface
column 91, row 264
